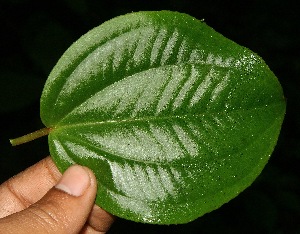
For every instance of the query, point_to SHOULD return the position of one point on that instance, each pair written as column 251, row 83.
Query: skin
column 42, row 200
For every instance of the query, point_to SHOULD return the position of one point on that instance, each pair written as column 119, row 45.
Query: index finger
column 28, row 187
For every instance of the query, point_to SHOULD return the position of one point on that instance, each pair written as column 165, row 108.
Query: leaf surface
column 173, row 118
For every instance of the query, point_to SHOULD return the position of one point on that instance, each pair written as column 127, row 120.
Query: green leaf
column 173, row 118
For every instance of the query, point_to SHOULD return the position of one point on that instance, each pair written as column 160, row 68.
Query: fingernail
column 74, row 181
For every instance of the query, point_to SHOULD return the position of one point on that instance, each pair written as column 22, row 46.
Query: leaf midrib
column 160, row 118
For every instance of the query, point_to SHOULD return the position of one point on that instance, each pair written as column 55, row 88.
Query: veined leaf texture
column 173, row 118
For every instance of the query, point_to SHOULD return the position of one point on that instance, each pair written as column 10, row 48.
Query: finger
column 100, row 219
column 28, row 187
column 64, row 209
column 31, row 185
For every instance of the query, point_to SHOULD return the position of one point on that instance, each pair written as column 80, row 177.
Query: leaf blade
column 181, row 121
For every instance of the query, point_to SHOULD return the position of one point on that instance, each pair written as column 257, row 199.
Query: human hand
column 41, row 200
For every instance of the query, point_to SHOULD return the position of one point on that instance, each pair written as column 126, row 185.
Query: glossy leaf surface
column 174, row 119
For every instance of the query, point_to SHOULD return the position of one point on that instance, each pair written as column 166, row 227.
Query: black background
column 34, row 34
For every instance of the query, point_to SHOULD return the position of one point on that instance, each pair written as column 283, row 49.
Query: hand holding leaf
column 173, row 118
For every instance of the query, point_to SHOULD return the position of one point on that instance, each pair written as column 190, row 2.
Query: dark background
column 34, row 34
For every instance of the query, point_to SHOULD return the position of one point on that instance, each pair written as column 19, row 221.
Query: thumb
column 64, row 209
